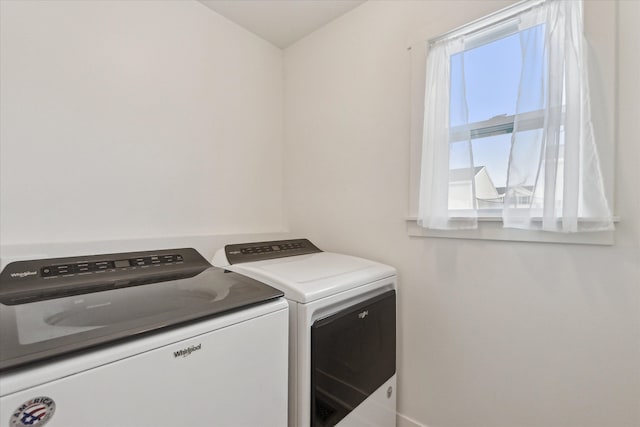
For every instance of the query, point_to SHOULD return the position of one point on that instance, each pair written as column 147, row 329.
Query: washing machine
column 342, row 330
column 153, row 338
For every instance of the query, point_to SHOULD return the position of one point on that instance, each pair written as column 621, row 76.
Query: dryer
column 342, row 330
column 154, row 338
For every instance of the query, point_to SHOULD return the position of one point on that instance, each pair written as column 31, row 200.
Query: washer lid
column 79, row 310
column 305, row 278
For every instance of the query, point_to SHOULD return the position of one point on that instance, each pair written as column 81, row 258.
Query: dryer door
column 353, row 353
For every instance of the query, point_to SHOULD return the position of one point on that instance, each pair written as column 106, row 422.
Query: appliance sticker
column 35, row 412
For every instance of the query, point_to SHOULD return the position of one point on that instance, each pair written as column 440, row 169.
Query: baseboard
column 405, row 421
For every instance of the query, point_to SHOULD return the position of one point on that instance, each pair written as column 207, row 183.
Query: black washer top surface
column 147, row 302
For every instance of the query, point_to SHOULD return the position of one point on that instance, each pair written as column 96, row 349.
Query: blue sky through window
column 484, row 84
column 491, row 77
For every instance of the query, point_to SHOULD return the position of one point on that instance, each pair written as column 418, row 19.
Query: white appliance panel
column 236, row 377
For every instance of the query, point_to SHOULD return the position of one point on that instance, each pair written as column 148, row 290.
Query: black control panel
column 259, row 251
column 36, row 280
column 90, row 267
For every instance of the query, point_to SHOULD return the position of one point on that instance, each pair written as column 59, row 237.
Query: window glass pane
column 490, row 160
column 485, row 79
column 457, row 105
column 493, row 153
column 484, row 84
column 460, row 175
column 492, row 74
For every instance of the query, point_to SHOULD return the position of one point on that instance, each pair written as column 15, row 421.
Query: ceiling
column 281, row 22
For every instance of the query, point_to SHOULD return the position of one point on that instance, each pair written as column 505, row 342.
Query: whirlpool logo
column 187, row 351
column 23, row 274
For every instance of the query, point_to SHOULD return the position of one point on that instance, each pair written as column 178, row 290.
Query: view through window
column 484, row 85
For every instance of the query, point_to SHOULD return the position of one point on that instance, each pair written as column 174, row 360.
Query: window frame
column 600, row 21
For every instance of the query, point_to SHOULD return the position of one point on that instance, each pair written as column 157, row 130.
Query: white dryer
column 342, row 330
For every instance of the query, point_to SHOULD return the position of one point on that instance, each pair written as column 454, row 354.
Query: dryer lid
column 306, row 278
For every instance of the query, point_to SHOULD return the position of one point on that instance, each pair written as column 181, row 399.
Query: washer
column 154, row 338
column 342, row 330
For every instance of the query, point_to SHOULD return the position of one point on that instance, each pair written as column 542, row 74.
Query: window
column 516, row 141
column 484, row 81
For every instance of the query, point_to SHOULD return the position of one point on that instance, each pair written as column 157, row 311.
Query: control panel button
column 83, row 267
column 101, row 265
column 121, row 263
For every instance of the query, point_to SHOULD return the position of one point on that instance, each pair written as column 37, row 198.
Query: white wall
column 491, row 333
column 135, row 119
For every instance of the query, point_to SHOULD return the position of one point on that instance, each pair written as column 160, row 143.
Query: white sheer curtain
column 435, row 170
column 554, row 182
column 558, row 163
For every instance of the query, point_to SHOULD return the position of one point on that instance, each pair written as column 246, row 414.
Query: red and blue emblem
column 36, row 412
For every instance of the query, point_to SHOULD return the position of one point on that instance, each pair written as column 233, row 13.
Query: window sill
column 490, row 228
